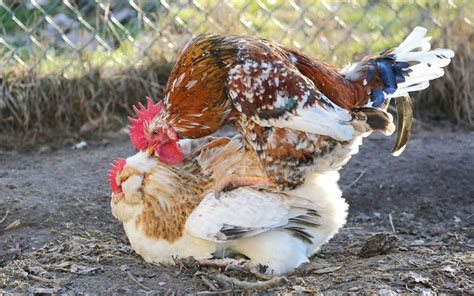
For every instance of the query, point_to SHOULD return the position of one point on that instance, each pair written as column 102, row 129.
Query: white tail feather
column 415, row 40
column 405, row 90
column 438, row 57
column 415, row 49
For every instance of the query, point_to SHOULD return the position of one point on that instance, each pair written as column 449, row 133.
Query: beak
column 116, row 197
column 149, row 152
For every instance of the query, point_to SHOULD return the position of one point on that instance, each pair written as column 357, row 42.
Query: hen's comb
column 144, row 115
column 115, row 167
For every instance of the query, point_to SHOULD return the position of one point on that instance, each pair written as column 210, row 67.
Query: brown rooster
column 297, row 113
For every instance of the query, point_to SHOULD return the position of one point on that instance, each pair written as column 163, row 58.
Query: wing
column 195, row 101
column 264, row 85
column 246, row 212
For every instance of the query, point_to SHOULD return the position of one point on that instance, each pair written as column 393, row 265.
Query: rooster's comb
column 144, row 115
column 115, row 167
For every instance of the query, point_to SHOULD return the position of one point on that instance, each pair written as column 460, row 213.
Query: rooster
column 299, row 115
column 169, row 211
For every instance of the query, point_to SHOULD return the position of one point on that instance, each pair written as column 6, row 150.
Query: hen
column 168, row 211
column 297, row 113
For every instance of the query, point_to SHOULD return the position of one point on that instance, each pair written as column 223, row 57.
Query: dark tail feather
column 377, row 119
column 404, row 122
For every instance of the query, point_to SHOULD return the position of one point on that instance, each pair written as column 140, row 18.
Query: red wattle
column 169, row 153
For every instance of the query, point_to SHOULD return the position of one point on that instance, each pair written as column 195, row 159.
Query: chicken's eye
column 155, row 133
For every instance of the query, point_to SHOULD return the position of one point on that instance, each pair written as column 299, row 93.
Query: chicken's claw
column 235, row 181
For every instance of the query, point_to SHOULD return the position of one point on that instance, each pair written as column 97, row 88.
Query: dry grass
column 94, row 101
column 452, row 96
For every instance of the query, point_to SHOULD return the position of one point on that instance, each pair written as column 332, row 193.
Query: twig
column 13, row 225
column 247, row 270
column 265, row 285
column 440, row 245
column 43, row 280
column 223, row 292
column 137, row 282
column 208, row 283
column 356, row 180
column 391, row 223
column 229, row 265
column 5, row 217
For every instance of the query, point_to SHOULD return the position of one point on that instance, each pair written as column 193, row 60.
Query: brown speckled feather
column 264, row 84
column 195, row 101
column 286, row 155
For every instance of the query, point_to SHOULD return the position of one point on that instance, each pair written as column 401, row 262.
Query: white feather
column 414, row 40
column 317, row 120
column 416, row 49
column 243, row 207
column 404, row 91
column 420, row 70
column 141, row 162
column 439, row 57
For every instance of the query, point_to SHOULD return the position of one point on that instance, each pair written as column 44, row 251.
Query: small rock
column 418, row 242
column 162, row 283
column 354, row 289
column 124, row 130
column 414, row 277
column 378, row 244
column 448, row 268
column 80, row 145
column 123, row 267
column 44, row 149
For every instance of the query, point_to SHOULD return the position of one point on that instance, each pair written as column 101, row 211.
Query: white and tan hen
column 171, row 211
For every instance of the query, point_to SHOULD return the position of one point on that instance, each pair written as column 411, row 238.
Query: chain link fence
column 50, row 34
column 71, row 38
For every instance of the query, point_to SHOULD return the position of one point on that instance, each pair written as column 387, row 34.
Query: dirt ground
column 57, row 233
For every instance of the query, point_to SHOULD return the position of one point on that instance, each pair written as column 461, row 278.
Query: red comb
column 115, row 167
column 137, row 130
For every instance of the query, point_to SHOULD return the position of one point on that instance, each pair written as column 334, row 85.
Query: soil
column 57, row 233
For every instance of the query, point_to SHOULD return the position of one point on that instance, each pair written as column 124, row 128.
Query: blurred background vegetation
column 77, row 65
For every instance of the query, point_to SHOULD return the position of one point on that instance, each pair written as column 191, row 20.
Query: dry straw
column 95, row 100
column 452, row 96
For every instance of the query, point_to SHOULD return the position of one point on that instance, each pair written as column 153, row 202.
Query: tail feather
column 439, row 57
column 377, row 119
column 404, row 123
column 410, row 88
column 416, row 39
column 406, row 68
